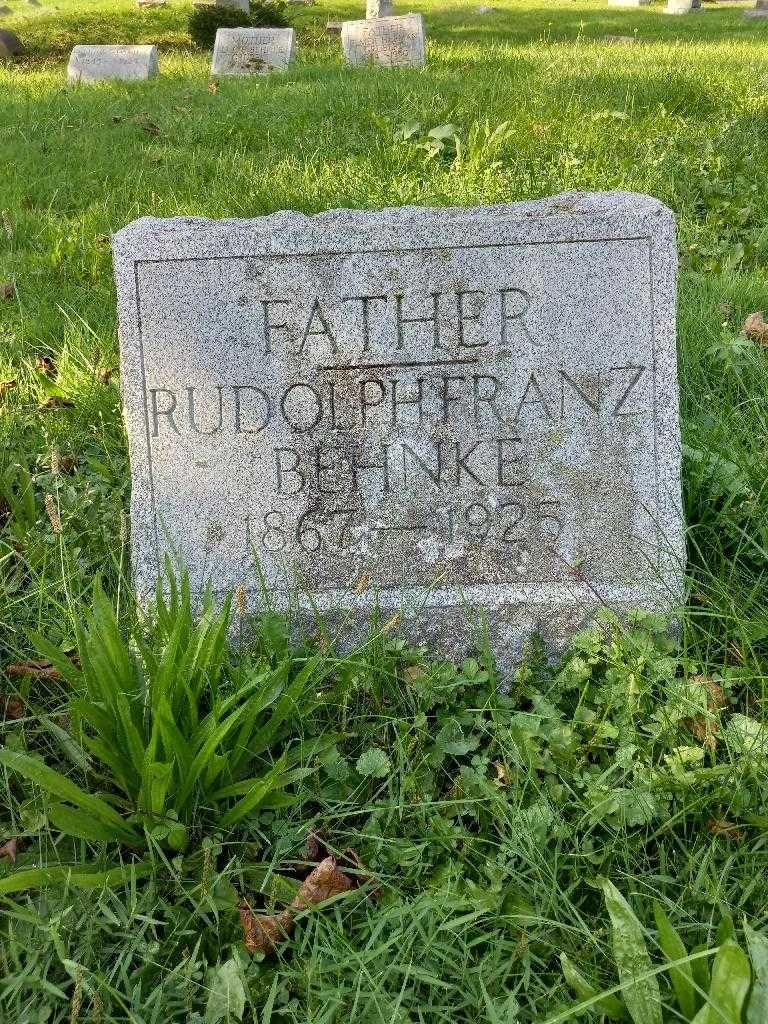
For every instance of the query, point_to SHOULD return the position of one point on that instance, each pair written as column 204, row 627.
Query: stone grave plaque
column 390, row 42
column 97, row 63
column 252, row 51
column 428, row 411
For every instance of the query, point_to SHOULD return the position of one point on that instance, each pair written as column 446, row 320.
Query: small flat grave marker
column 98, row 63
column 238, row 5
column 252, row 51
column 424, row 410
column 389, row 42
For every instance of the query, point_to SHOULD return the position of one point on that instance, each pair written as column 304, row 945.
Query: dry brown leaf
column 756, row 329
column 264, row 932
column 6, row 386
column 321, row 884
column 46, row 365
column 67, row 464
column 13, row 707
column 502, row 779
column 7, row 289
column 38, row 669
column 726, row 829
column 9, row 850
column 104, row 373
column 391, row 623
column 54, row 402
column 362, row 583
column 704, row 729
column 715, row 694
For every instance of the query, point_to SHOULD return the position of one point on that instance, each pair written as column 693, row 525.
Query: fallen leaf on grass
column 756, row 329
column 46, row 365
column 10, row 850
column 6, row 386
column 7, row 289
column 321, row 884
column 14, row 708
column 726, row 829
column 38, row 669
column 54, row 402
column 715, row 694
column 704, row 729
column 263, row 932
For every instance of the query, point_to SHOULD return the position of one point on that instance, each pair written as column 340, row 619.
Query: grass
column 488, row 872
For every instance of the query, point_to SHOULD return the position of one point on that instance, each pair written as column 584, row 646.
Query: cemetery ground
column 483, row 827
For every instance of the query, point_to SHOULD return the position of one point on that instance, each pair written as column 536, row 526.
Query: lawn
column 489, row 813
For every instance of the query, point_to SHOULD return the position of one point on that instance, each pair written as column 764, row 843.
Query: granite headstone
column 389, row 42
column 252, row 51
column 97, row 63
column 420, row 410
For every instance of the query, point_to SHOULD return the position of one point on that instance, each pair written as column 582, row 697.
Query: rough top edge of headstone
column 571, row 206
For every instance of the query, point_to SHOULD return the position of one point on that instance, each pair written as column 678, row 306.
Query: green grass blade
column 639, row 989
column 757, row 1008
column 80, row 877
column 681, row 977
column 57, row 785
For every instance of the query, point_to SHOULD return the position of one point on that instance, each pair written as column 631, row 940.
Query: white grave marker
column 99, row 63
column 252, row 51
column 389, row 42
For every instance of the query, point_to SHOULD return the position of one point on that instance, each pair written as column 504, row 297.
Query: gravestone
column 628, row 3
column 10, row 44
column 379, row 9
column 389, row 42
column 252, row 51
column 238, row 5
column 684, row 7
column 760, row 10
column 97, row 63
column 425, row 411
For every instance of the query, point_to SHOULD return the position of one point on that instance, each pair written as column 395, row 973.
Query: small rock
column 620, row 40
column 10, row 45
